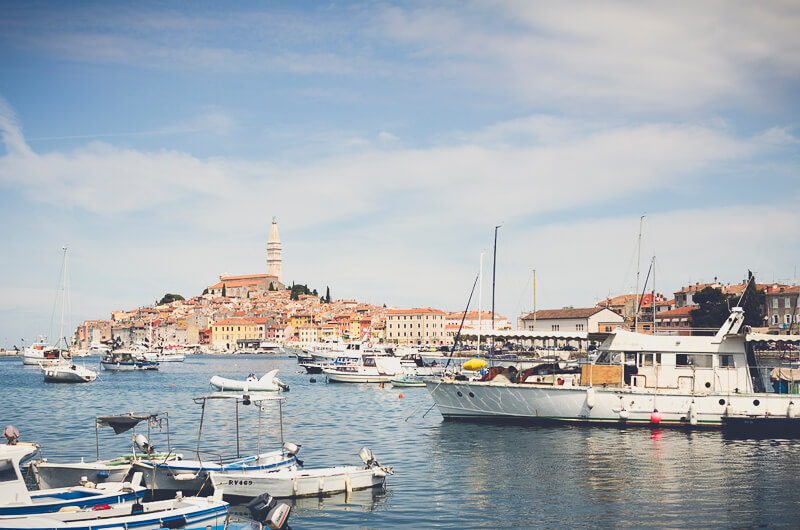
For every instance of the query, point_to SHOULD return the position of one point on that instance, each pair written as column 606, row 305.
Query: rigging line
column 453, row 349
column 644, row 288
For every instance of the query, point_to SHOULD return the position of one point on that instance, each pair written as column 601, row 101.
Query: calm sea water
column 448, row 474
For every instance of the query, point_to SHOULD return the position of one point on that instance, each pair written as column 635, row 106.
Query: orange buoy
column 401, row 396
column 173, row 384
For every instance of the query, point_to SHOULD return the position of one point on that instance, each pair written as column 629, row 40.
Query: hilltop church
column 239, row 286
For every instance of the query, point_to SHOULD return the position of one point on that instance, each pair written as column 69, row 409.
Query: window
column 646, row 359
column 726, row 361
column 787, row 302
column 787, row 319
column 555, row 327
column 578, row 327
column 775, row 320
column 775, row 303
column 691, row 359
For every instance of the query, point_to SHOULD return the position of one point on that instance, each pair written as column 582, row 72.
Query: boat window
column 369, row 361
column 693, row 359
column 7, row 472
column 726, row 361
column 646, row 359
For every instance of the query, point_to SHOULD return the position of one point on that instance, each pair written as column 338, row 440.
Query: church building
column 240, row 286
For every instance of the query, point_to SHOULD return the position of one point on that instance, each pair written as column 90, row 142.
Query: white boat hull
column 620, row 406
column 54, row 475
column 342, row 377
column 294, row 482
column 189, row 476
column 59, row 373
column 268, row 383
column 187, row 513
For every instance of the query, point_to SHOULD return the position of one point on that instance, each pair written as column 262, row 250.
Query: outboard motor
column 367, row 457
column 292, row 450
column 266, row 510
column 143, row 443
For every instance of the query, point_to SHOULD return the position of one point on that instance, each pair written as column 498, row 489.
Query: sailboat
column 62, row 369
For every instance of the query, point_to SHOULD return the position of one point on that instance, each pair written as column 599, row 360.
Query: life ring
column 369, row 345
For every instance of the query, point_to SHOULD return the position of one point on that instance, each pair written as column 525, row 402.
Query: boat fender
column 655, row 417
column 348, row 485
column 692, row 413
column 321, row 484
column 729, row 410
column 624, row 414
column 790, row 410
column 591, row 397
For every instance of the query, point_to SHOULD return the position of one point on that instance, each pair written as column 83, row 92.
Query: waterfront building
column 782, row 308
column 226, row 334
column 675, row 322
column 570, row 319
column 474, row 321
column 92, row 332
column 416, row 326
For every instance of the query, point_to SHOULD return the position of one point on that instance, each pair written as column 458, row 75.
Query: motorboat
column 41, row 352
column 17, row 500
column 48, row 474
column 371, row 370
column 67, row 372
column 126, row 360
column 414, row 365
column 296, row 482
column 181, row 512
column 637, row 379
column 267, row 383
column 407, row 381
column 190, row 475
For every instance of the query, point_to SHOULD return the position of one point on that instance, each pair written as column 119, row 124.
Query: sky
column 157, row 140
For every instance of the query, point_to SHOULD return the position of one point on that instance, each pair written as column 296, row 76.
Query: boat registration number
column 240, row 482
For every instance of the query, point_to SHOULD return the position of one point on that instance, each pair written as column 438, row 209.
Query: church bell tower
column 274, row 251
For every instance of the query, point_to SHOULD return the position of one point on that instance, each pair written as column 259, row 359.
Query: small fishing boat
column 407, row 381
column 59, row 475
column 123, row 361
column 190, row 475
column 294, row 482
column 180, row 512
column 17, row 500
column 371, row 370
column 267, row 383
column 67, row 372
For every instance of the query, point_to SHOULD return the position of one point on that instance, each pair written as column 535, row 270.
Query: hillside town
column 246, row 312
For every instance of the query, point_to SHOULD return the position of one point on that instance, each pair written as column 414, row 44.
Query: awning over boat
column 766, row 337
column 528, row 334
column 124, row 422
column 785, row 374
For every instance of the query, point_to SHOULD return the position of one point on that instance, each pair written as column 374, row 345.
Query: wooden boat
column 404, row 382
column 294, row 482
column 190, row 475
column 186, row 513
column 267, row 383
column 59, row 475
column 17, row 500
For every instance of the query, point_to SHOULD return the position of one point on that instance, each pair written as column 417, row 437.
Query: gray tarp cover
column 121, row 423
column 785, row 374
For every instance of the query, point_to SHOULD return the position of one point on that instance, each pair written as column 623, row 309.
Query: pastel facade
column 416, row 326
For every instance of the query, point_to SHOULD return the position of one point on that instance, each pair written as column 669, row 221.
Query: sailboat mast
column 63, row 296
column 654, row 306
column 494, row 271
column 480, row 302
column 638, row 263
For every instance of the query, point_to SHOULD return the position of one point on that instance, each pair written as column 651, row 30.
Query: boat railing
column 216, row 457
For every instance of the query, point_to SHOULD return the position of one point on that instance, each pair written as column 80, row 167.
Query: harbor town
column 485, row 264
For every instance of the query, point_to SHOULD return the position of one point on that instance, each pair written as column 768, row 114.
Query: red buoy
column 655, row 417
column 401, row 396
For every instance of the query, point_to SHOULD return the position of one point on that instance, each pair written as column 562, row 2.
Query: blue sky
column 157, row 140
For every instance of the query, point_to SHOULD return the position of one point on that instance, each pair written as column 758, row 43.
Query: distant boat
column 41, row 352
column 371, row 370
column 267, row 383
column 125, row 360
column 68, row 372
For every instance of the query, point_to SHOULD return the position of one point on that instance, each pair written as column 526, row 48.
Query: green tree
column 328, row 295
column 205, row 291
column 712, row 308
column 169, row 298
column 224, row 291
column 297, row 290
